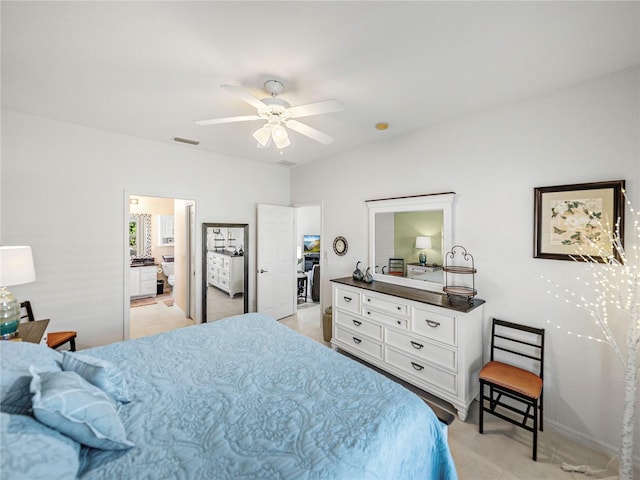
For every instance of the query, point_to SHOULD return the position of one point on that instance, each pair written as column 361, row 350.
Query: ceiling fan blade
column 309, row 132
column 216, row 121
column 246, row 96
column 327, row 106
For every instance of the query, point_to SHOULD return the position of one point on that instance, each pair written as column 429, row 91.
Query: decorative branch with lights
column 616, row 289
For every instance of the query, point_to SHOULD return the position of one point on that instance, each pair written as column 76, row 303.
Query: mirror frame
column 143, row 232
column 415, row 203
column 245, row 294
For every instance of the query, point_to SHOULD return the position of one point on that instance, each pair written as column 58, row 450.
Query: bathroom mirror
column 225, row 270
column 139, row 235
column 404, row 229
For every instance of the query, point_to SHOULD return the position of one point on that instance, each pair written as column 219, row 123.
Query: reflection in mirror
column 408, row 238
column 225, row 265
column 139, row 235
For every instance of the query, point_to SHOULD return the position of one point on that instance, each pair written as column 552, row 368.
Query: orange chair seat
column 513, row 378
column 55, row 339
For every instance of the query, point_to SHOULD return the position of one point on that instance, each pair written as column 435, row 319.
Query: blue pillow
column 15, row 359
column 68, row 403
column 29, row 449
column 101, row 373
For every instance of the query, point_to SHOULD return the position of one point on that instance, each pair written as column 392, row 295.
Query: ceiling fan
column 278, row 114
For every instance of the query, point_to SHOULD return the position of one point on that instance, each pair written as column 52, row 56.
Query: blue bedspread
column 248, row 398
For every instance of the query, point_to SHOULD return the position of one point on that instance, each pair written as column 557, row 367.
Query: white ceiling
column 150, row 69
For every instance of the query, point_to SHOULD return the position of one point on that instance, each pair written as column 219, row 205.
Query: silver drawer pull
column 416, row 366
column 432, row 324
column 347, row 299
column 356, row 340
column 356, row 323
column 416, row 345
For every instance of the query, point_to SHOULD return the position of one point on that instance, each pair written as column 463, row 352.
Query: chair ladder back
column 523, row 328
column 28, row 311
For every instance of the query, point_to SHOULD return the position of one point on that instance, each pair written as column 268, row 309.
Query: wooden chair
column 396, row 267
column 54, row 339
column 521, row 384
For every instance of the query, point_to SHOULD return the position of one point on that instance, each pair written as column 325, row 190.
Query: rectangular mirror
column 225, row 270
column 139, row 235
column 408, row 238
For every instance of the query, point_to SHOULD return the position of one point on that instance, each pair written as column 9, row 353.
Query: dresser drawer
column 421, row 370
column 359, row 342
column 440, row 355
column 434, row 325
column 387, row 305
column 347, row 300
column 385, row 318
column 358, row 324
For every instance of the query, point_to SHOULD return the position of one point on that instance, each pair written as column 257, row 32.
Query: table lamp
column 16, row 268
column 422, row 243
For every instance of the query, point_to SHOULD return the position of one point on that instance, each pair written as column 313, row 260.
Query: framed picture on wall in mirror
column 575, row 222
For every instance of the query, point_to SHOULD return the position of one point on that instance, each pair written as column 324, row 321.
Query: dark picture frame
column 565, row 213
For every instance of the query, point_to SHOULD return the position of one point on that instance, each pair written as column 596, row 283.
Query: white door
column 276, row 265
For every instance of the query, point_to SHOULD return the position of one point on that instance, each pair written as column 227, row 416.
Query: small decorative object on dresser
column 368, row 278
column 421, row 337
column 357, row 273
column 340, row 246
column 457, row 265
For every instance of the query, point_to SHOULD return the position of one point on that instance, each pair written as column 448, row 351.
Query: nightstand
column 32, row 332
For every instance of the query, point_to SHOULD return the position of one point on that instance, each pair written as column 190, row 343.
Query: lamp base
column 9, row 336
column 9, row 314
column 422, row 258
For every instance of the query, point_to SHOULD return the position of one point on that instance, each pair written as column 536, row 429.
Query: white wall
column 63, row 193
column 308, row 223
column 493, row 160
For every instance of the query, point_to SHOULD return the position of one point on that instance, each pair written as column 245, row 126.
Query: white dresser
column 413, row 334
column 415, row 269
column 225, row 272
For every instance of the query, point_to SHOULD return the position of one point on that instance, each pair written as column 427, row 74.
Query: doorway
column 225, row 270
column 160, row 265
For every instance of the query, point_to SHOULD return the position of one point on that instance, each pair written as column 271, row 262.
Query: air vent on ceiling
column 286, row 163
column 185, row 140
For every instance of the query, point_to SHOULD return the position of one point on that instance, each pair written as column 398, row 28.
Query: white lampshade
column 16, row 266
column 280, row 136
column 423, row 242
column 263, row 134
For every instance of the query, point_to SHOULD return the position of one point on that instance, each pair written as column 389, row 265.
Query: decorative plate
column 340, row 246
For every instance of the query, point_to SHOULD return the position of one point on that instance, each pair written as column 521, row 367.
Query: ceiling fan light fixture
column 280, row 136
column 263, row 134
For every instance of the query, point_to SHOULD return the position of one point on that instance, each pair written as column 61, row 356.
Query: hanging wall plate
column 340, row 246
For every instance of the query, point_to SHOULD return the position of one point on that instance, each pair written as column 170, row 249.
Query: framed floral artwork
column 569, row 220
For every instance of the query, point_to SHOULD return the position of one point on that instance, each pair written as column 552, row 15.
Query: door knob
column 263, row 271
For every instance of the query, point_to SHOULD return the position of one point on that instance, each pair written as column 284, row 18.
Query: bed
column 239, row 398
